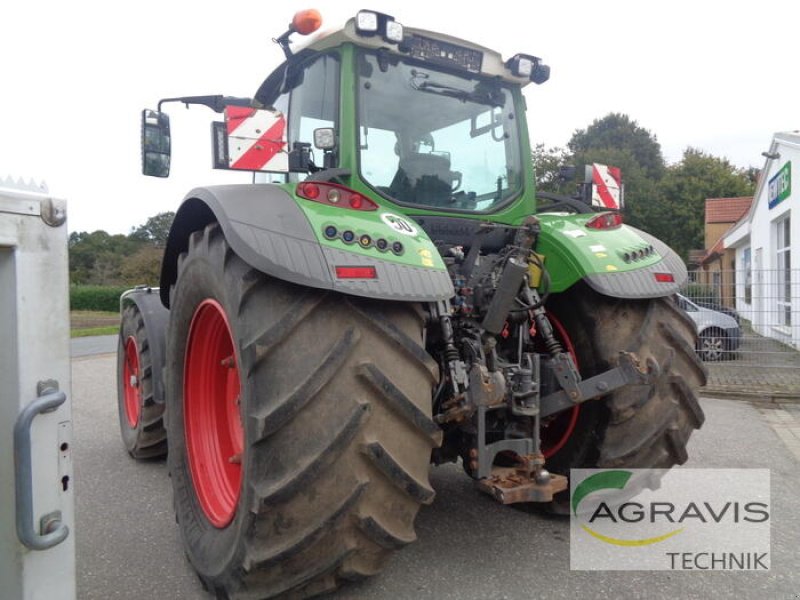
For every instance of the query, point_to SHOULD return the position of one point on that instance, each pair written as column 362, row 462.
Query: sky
column 75, row 75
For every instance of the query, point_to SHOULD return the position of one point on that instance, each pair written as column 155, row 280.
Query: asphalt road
column 92, row 345
column 468, row 546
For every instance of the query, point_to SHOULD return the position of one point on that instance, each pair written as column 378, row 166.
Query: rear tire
column 638, row 426
column 140, row 416
column 335, row 407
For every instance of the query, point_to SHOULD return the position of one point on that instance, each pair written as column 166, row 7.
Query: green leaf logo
column 611, row 480
column 599, row 481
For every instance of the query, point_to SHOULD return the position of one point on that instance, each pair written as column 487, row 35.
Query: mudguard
column 642, row 282
column 155, row 318
column 267, row 228
column 623, row 262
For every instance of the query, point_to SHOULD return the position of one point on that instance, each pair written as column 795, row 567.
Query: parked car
column 718, row 334
column 719, row 308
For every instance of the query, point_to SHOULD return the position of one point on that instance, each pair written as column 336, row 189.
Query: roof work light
column 529, row 67
column 369, row 23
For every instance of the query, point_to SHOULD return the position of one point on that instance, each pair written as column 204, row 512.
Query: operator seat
column 424, row 178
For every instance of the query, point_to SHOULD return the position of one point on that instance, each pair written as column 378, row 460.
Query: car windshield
column 431, row 138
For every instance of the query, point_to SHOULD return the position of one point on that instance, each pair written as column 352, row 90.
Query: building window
column 783, row 244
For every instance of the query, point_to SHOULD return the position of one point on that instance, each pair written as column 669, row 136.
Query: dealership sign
column 780, row 186
column 679, row 519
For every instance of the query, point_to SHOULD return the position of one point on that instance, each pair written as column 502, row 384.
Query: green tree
column 142, row 267
column 95, row 258
column 617, row 140
column 155, row 230
column 547, row 163
column 617, row 131
column 678, row 217
column 98, row 258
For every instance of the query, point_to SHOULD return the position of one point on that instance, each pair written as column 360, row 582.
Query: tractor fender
column 266, row 228
column 642, row 283
column 575, row 253
column 155, row 317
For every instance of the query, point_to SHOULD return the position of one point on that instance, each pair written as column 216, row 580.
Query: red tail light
column 606, row 220
column 356, row 273
column 664, row 277
column 334, row 195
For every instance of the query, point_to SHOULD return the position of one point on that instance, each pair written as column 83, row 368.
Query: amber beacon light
column 307, row 21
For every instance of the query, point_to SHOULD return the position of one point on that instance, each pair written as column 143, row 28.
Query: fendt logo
column 680, row 519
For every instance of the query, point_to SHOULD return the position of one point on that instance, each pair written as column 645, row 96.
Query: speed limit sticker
column 399, row 224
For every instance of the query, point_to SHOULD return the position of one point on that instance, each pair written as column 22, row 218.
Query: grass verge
column 85, row 323
column 110, row 330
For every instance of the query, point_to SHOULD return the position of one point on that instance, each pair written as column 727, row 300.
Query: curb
column 761, row 396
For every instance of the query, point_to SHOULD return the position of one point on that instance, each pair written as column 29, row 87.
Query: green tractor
column 395, row 296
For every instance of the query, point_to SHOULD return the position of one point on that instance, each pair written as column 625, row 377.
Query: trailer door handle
column 55, row 530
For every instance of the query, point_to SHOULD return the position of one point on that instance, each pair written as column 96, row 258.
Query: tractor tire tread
column 148, row 439
column 335, row 468
column 638, row 426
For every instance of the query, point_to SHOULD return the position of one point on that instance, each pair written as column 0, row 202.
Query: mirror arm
column 216, row 103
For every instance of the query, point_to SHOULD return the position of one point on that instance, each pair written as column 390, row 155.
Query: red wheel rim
column 558, row 429
column 131, row 381
column 214, row 434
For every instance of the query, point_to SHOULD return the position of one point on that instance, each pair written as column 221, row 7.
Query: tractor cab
column 423, row 120
column 411, row 118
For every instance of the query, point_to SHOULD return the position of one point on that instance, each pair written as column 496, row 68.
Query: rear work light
column 334, row 195
column 369, row 23
column 356, row 273
column 529, row 67
column 606, row 220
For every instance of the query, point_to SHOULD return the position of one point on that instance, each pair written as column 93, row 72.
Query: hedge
column 95, row 297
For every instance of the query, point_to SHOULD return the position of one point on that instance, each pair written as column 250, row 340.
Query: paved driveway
column 469, row 547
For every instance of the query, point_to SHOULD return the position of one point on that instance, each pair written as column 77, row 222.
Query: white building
column 767, row 262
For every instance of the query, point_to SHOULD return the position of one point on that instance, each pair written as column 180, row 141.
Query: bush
column 697, row 292
column 95, row 297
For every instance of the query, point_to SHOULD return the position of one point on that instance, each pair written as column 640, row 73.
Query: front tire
column 320, row 442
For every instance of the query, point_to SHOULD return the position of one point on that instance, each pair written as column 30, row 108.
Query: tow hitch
column 529, row 481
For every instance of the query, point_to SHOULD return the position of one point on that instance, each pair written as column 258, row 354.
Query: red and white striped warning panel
column 256, row 139
column 606, row 186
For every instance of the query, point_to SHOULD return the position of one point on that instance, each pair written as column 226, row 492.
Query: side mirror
column 156, row 147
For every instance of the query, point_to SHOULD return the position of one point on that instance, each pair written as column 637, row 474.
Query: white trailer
column 37, row 533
